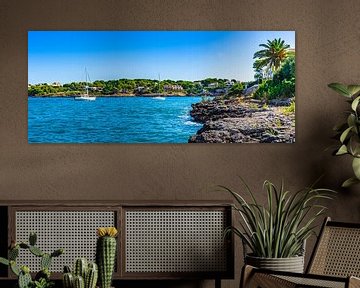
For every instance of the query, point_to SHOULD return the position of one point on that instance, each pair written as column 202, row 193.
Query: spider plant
column 279, row 229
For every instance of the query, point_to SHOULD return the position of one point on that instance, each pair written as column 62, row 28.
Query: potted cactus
column 42, row 278
column 85, row 275
column 106, row 254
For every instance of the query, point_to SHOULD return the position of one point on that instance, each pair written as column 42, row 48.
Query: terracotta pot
column 291, row 264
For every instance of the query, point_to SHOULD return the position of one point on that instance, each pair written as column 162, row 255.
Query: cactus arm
column 91, row 276
column 36, row 251
column 67, row 269
column 24, row 245
column 13, row 253
column 80, row 267
column 68, row 280
column 57, row 253
column 24, row 280
column 79, row 282
column 14, row 268
column 45, row 261
column 32, row 239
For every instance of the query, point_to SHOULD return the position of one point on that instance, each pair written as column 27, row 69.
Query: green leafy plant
column 282, row 85
column 349, row 131
column 42, row 278
column 289, row 109
column 279, row 229
column 43, row 283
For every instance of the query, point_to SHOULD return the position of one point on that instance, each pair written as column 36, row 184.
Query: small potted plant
column 84, row 274
column 106, row 254
column 275, row 233
column 349, row 131
column 42, row 278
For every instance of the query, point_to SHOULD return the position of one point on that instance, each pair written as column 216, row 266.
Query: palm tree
column 271, row 58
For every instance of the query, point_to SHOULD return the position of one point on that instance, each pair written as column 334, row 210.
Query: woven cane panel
column 268, row 280
column 338, row 253
column 175, row 241
column 74, row 231
column 308, row 282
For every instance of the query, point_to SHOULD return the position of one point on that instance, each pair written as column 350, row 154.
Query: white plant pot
column 291, row 264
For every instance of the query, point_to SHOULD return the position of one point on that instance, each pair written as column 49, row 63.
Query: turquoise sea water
column 111, row 120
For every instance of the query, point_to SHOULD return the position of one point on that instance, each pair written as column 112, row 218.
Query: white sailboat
column 85, row 96
column 159, row 97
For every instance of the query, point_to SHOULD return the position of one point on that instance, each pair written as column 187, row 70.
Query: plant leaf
column 4, row 261
column 345, row 134
column 340, row 127
column 354, row 145
column 353, row 89
column 340, row 88
column 355, row 103
column 349, row 182
column 356, row 167
column 342, row 150
column 351, row 120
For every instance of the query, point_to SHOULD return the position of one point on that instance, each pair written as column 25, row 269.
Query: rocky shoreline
column 243, row 120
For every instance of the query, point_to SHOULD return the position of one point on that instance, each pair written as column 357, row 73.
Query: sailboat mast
column 159, row 84
column 86, row 82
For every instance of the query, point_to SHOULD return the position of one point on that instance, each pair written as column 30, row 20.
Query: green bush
column 236, row 89
column 281, row 86
column 289, row 109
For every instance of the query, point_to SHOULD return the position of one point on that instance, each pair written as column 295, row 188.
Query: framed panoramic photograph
column 161, row 86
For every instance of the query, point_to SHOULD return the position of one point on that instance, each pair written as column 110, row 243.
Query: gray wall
column 327, row 50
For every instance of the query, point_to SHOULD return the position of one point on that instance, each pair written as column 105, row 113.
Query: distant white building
column 212, row 85
column 96, row 88
column 229, row 84
column 141, row 89
column 173, row 88
column 55, row 84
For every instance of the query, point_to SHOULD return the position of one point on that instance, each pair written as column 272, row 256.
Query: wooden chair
column 334, row 263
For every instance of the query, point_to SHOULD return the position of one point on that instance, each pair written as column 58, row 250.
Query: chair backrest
column 337, row 251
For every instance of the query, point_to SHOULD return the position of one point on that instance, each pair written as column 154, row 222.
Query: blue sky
column 61, row 56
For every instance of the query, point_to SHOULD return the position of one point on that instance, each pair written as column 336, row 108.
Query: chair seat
column 335, row 262
column 314, row 282
column 268, row 279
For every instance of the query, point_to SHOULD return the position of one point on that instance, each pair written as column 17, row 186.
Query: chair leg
column 251, row 279
column 217, row 283
column 246, row 273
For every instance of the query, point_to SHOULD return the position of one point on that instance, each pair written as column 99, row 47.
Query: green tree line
column 127, row 86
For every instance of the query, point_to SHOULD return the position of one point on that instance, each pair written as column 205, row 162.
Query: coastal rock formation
column 251, row 90
column 281, row 102
column 218, row 109
column 234, row 121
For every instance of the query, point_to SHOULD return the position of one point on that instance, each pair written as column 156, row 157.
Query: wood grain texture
column 328, row 41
